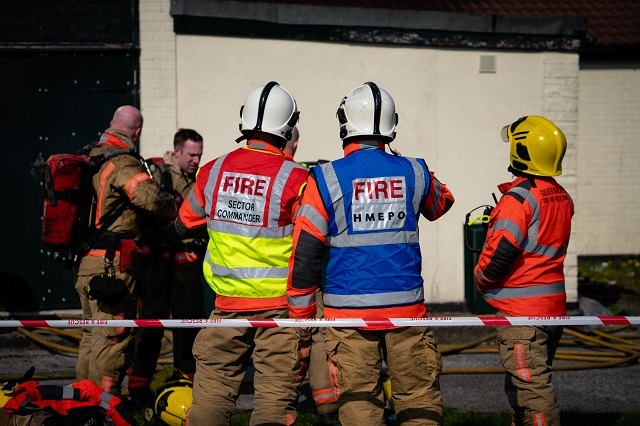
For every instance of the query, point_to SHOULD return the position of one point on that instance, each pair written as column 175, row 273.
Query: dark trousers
column 167, row 292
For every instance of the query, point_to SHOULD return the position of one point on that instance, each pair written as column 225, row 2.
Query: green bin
column 473, row 238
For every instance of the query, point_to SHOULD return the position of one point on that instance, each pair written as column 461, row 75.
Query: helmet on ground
column 367, row 110
column 537, row 146
column 169, row 376
column 5, row 393
column 173, row 396
column 172, row 404
column 271, row 109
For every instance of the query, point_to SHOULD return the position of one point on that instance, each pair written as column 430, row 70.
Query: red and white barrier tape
column 337, row 322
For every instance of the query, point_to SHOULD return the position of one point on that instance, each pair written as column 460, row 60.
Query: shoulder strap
column 108, row 219
column 97, row 160
column 105, row 222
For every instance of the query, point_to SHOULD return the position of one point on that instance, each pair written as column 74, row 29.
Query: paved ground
column 587, row 390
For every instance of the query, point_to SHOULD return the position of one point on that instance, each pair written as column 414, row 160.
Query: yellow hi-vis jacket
column 246, row 200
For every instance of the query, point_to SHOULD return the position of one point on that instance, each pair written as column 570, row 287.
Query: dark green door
column 53, row 102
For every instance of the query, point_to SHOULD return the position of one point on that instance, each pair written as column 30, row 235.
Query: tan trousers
column 222, row 357
column 414, row 363
column 319, row 380
column 527, row 352
column 105, row 353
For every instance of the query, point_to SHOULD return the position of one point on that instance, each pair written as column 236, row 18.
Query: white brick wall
column 560, row 105
column 158, row 77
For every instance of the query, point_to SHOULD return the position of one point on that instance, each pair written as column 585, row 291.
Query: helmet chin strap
column 520, row 173
column 516, row 172
column 393, row 151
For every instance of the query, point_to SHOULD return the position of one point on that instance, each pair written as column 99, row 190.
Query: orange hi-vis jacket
column 31, row 396
column 318, row 231
column 520, row 270
column 246, row 199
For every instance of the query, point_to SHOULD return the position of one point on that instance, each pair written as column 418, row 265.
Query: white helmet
column 271, row 109
column 367, row 110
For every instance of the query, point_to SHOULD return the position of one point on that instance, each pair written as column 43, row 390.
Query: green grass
column 610, row 419
column 465, row 418
column 622, row 271
column 614, row 281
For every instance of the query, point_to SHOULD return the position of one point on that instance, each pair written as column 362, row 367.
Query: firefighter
column 319, row 380
column 363, row 210
column 171, row 282
column 107, row 275
column 520, row 269
column 245, row 198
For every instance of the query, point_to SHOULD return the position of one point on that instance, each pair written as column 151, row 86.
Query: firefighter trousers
column 105, row 353
column 414, row 362
column 526, row 353
column 319, row 380
column 167, row 292
column 222, row 357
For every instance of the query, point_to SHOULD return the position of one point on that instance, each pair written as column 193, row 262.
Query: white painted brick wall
column 158, row 77
column 560, row 105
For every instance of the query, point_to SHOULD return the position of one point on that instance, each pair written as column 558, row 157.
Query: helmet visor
column 504, row 134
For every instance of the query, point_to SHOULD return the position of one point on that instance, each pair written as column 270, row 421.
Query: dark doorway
column 54, row 101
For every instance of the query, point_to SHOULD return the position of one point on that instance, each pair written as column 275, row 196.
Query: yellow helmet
column 537, row 146
column 168, row 377
column 173, row 392
column 7, row 388
column 172, row 404
column 5, row 393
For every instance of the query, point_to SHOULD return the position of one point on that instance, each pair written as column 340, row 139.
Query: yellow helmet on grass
column 173, row 396
column 172, row 405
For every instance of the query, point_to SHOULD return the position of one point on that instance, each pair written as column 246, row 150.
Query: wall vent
column 488, row 63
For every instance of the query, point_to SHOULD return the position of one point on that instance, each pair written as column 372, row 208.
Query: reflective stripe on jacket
column 30, row 396
column 520, row 270
column 246, row 198
column 124, row 179
column 365, row 209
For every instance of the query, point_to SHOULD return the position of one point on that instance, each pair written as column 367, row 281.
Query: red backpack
column 68, row 215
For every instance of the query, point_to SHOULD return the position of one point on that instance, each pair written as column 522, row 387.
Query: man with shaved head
column 125, row 195
column 129, row 120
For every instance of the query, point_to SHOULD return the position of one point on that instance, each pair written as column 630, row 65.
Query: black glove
column 106, row 288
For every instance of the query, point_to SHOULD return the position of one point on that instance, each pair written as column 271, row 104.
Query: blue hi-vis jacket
column 373, row 200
